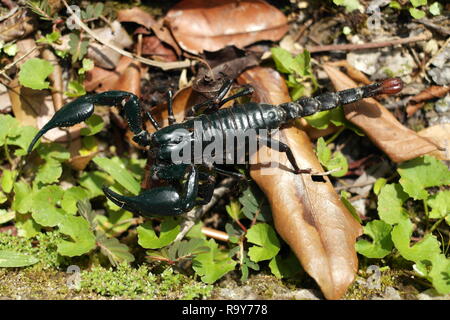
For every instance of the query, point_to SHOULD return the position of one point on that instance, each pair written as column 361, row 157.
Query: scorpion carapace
column 191, row 182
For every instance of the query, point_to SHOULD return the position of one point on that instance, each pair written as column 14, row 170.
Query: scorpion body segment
column 193, row 183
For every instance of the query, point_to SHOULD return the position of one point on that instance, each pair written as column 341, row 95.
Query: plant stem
column 335, row 135
column 436, row 224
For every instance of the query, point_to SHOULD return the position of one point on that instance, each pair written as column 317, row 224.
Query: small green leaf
column 26, row 226
column 331, row 162
column 349, row 206
column 75, row 89
column 88, row 64
column 7, row 180
column 71, row 197
column 10, row 49
column 284, row 268
column 380, row 183
column 94, row 181
column 34, row 72
column 440, row 273
column 283, row 59
column 418, row 3
column 6, row 216
column 421, row 173
column 22, row 200
column 395, row 5
column 119, row 172
column 148, row 239
column 8, row 125
column 422, row 250
column 266, row 240
column 116, row 251
column 82, row 238
column 436, row 9
column 95, row 124
column 416, row 13
column 346, row 30
column 50, row 38
column 21, row 137
column 115, row 223
column 234, row 210
column 440, row 204
column 49, row 172
column 390, row 204
column 214, row 264
column 78, row 48
column 381, row 246
column 53, row 151
column 12, row 259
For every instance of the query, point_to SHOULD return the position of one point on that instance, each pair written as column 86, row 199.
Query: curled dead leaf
column 199, row 25
column 383, row 129
column 440, row 134
column 136, row 15
column 418, row 101
column 308, row 214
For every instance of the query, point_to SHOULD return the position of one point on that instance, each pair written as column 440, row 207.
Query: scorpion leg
column 214, row 104
column 82, row 108
column 282, row 147
column 230, row 173
column 206, row 190
column 171, row 117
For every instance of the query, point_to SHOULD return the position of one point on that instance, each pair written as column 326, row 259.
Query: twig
column 438, row 28
column 195, row 214
column 12, row 64
column 362, row 46
column 153, row 63
column 215, row 234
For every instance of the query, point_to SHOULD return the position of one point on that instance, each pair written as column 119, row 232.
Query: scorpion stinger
column 82, row 108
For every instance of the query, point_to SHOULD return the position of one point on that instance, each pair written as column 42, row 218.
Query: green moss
column 126, row 282
column 42, row 246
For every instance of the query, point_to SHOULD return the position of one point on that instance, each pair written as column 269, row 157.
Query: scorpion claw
column 161, row 201
column 72, row 113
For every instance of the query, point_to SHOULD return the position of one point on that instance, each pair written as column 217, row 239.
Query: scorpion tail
column 329, row 100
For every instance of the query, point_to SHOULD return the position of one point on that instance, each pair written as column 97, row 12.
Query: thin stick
column 195, row 214
column 12, row 64
column 362, row 46
column 163, row 65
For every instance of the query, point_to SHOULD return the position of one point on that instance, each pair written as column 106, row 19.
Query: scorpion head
column 170, row 142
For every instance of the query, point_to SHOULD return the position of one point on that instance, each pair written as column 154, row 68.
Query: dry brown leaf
column 199, row 25
column 16, row 26
column 130, row 80
column 100, row 80
column 440, row 134
column 136, row 15
column 163, row 33
column 152, row 46
column 104, row 56
column 385, row 131
column 308, row 214
column 417, row 102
